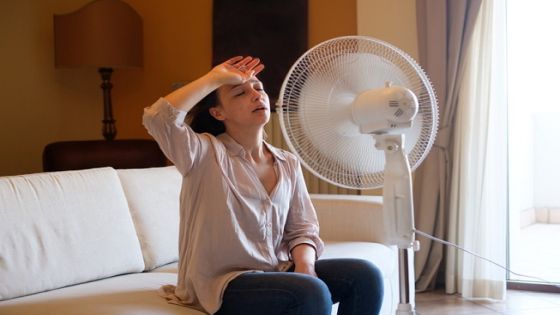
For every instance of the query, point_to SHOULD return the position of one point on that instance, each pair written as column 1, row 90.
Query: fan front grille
column 315, row 109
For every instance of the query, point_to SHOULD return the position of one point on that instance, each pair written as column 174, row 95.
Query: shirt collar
column 236, row 149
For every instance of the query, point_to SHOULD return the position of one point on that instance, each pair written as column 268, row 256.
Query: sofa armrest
column 350, row 218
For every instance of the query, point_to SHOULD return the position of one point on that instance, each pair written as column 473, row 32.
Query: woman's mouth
column 259, row 109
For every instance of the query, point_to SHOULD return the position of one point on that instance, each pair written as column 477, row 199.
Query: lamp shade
column 102, row 34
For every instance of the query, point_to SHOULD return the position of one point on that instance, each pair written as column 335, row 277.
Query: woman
column 249, row 237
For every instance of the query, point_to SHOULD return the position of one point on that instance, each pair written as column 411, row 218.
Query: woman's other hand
column 304, row 256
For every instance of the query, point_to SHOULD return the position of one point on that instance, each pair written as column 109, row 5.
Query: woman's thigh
column 355, row 283
column 273, row 293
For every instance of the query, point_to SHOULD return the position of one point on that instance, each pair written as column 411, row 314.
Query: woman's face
column 245, row 104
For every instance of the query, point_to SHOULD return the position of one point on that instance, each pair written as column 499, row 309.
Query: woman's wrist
column 211, row 81
column 304, row 254
column 305, row 268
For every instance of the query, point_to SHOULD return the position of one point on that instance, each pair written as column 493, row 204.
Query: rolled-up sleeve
column 302, row 226
column 177, row 140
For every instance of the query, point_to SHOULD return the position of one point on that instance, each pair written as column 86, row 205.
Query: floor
column 538, row 254
column 517, row 303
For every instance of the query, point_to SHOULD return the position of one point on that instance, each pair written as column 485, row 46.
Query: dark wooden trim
column 129, row 153
column 533, row 286
column 275, row 31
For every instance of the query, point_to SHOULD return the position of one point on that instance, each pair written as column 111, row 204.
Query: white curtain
column 445, row 30
column 478, row 201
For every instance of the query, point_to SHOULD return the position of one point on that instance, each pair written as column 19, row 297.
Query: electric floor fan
column 346, row 108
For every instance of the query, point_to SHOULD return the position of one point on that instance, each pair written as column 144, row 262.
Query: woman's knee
column 369, row 270
column 368, row 277
column 313, row 295
column 359, row 274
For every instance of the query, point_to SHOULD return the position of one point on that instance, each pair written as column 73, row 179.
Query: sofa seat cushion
column 169, row 268
column 137, row 293
column 63, row 228
column 384, row 257
column 132, row 294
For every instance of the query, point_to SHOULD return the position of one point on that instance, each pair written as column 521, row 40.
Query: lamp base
column 109, row 128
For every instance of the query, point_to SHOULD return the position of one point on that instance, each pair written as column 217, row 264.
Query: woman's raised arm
column 236, row 70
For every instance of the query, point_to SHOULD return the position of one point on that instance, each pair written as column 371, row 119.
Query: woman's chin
column 263, row 115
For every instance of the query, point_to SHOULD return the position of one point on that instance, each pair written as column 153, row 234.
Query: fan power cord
column 426, row 235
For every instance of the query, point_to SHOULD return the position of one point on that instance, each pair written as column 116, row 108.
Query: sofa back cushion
column 64, row 228
column 153, row 199
column 350, row 218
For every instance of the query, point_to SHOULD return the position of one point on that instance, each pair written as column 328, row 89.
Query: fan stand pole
column 406, row 282
column 399, row 215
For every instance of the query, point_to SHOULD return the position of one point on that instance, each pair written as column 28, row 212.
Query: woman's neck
column 251, row 141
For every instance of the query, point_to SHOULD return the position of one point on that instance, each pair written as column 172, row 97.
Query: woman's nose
column 255, row 95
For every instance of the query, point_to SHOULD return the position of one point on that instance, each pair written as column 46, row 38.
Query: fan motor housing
column 379, row 111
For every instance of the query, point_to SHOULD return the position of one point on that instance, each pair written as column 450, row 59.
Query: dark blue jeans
column 356, row 284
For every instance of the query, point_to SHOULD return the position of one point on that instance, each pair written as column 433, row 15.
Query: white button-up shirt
column 229, row 223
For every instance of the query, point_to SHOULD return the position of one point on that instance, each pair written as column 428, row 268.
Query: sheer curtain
column 478, row 198
column 444, row 32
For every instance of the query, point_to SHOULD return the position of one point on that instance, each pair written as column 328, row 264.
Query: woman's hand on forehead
column 247, row 65
column 238, row 70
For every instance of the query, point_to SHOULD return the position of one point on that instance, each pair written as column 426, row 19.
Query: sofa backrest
column 64, row 228
column 350, row 218
column 153, row 199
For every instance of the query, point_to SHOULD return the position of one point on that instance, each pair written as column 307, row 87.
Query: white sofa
column 102, row 241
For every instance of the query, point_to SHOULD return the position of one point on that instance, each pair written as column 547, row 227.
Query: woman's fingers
column 253, row 63
column 243, row 62
column 234, row 60
column 258, row 69
column 247, row 66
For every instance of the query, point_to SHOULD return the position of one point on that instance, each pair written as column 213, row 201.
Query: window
column 534, row 138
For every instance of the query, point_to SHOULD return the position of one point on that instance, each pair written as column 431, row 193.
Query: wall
column 393, row 21
column 533, row 133
column 41, row 104
column 545, row 159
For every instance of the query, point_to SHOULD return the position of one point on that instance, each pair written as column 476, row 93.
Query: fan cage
column 315, row 100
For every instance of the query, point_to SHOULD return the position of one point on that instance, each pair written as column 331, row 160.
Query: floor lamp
column 102, row 35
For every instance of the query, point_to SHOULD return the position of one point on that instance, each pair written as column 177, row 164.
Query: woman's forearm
column 187, row 96
column 304, row 257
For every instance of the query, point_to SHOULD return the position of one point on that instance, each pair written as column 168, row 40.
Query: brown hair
column 199, row 117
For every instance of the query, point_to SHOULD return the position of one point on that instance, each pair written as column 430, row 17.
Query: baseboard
column 541, row 215
column 533, row 286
